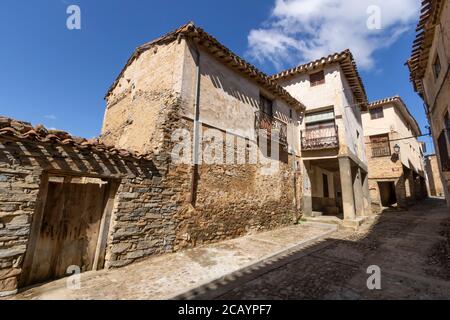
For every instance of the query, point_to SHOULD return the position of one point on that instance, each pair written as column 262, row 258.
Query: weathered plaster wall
column 317, row 182
column 137, row 106
column 228, row 100
column 434, row 178
column 234, row 199
column 334, row 92
column 352, row 121
column 237, row 199
column 230, row 199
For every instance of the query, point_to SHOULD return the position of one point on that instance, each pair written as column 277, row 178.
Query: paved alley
column 169, row 275
column 411, row 248
column 309, row 261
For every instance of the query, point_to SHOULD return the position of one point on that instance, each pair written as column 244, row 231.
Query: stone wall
column 232, row 200
column 143, row 207
column 385, row 169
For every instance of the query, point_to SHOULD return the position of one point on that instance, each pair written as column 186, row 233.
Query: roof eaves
column 208, row 42
column 397, row 100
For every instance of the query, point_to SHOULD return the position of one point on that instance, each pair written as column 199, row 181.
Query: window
column 443, row 152
column 380, row 146
column 376, row 113
column 322, row 116
column 326, row 193
column 317, row 78
column 266, row 106
column 437, row 67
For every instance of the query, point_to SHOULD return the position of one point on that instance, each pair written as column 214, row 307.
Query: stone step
column 351, row 225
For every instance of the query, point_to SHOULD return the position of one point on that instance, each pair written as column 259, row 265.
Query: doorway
column 66, row 231
column 387, row 193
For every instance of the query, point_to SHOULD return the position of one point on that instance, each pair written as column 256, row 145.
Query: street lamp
column 397, row 149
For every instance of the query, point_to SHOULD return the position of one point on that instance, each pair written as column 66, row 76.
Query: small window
column 266, row 106
column 376, row 113
column 437, row 67
column 317, row 78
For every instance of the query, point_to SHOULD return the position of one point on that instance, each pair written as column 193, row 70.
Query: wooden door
column 69, row 230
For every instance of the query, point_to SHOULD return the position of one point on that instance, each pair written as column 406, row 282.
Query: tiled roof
column 348, row 65
column 213, row 46
column 417, row 63
column 14, row 129
column 397, row 100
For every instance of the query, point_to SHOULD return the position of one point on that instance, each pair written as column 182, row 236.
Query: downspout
column 196, row 137
column 294, row 167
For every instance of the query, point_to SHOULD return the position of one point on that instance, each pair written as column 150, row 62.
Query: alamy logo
column 73, row 21
column 213, row 146
column 73, row 282
column 374, row 280
column 374, row 20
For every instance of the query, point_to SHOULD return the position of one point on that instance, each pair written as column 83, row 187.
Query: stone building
column 197, row 146
column 395, row 156
column 430, row 75
column 67, row 201
column 435, row 187
column 335, row 179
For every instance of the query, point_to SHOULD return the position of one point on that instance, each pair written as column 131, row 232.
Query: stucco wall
column 317, row 183
column 137, row 105
column 334, row 92
column 228, row 100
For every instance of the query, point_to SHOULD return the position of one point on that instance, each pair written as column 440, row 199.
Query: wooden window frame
column 373, row 140
column 320, row 80
column 376, row 115
column 264, row 102
column 437, row 67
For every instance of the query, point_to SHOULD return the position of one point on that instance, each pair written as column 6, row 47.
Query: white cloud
column 50, row 117
column 303, row 30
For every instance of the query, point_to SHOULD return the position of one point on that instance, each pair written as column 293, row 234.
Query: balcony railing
column 320, row 138
column 273, row 127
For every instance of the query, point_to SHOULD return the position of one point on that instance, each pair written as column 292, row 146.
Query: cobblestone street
column 310, row 261
column 167, row 276
column 411, row 248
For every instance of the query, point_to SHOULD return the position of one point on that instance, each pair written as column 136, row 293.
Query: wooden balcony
column 320, row 138
column 273, row 127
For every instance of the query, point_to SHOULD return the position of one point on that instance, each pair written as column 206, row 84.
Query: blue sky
column 58, row 77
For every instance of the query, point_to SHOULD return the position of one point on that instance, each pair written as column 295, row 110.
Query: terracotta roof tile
column 348, row 65
column 10, row 128
column 222, row 53
column 398, row 101
column 417, row 63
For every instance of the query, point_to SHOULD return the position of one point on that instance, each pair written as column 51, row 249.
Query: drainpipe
column 196, row 137
column 294, row 167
